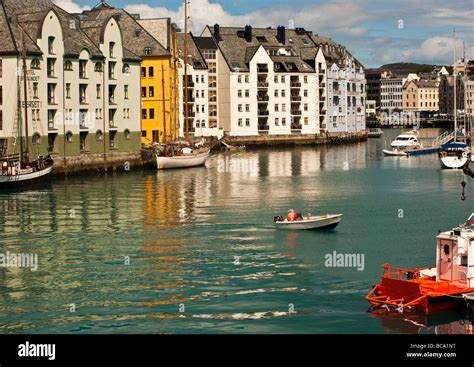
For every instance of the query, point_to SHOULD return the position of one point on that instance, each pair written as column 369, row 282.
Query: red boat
column 446, row 286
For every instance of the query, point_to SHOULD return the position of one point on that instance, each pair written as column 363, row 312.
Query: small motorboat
column 395, row 153
column 455, row 155
column 374, row 132
column 328, row 221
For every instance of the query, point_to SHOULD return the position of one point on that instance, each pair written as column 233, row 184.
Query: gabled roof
column 135, row 37
column 198, row 60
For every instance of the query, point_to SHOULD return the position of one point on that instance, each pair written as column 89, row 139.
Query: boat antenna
column 26, row 158
column 185, row 51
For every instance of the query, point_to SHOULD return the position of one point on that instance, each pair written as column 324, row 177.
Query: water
column 202, row 251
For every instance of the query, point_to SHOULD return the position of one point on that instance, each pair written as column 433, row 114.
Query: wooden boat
column 329, row 221
column 183, row 158
column 446, row 286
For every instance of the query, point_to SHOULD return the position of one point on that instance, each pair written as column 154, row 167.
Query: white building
column 81, row 82
column 391, row 91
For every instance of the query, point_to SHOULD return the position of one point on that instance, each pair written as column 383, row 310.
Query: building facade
column 80, row 88
column 419, row 96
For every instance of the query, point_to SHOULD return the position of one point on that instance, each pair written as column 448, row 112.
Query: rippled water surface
column 195, row 251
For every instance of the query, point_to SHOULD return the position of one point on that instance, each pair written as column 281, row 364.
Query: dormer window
column 35, row 64
column 98, row 67
column 147, row 51
column 68, row 65
column 126, row 69
column 261, row 39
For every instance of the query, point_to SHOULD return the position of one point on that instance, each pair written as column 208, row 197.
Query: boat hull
column 454, row 162
column 320, row 222
column 394, row 153
column 184, row 161
column 26, row 180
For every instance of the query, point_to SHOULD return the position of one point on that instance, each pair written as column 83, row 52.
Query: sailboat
column 18, row 170
column 456, row 155
column 173, row 155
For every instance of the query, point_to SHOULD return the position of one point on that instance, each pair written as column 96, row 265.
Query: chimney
column 248, row 33
column 281, row 35
column 217, row 32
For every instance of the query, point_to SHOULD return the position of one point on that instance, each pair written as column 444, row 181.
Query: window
column 1, row 95
column 283, row 107
column 306, row 107
column 51, row 45
column 247, row 79
column 143, row 92
column 306, row 79
column 125, row 91
column 1, row 120
column 247, row 108
column 126, row 134
column 151, row 72
column 152, row 113
column 151, row 92
column 98, row 67
column 240, row 108
column 247, row 122
column 99, row 91
column 82, row 93
column 239, row 93
column 112, row 139
column 283, row 79
column 68, row 90
column 35, row 64
column 147, row 51
column 446, row 250
column 126, row 69
column 1, row 68
column 276, row 108
column 83, row 69
column 51, row 93
column 143, row 72
column 283, row 93
column 51, row 117
column 144, row 114
column 68, row 65
column 50, row 66
column 277, row 121
column 275, row 79
column 283, row 121
column 35, row 92
column 69, row 137
column 305, row 93
column 112, row 69
column 99, row 136
column 111, row 49
column 247, row 93
column 306, row 120
column 239, row 79
column 276, row 92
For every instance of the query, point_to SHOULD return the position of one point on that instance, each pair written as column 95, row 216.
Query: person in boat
column 291, row 216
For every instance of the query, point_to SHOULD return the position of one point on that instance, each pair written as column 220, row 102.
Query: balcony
column 263, row 128
column 296, row 127
column 263, row 98
column 262, row 84
column 336, row 92
column 295, row 85
column 263, row 113
column 112, row 125
column 296, row 112
column 322, row 98
column 191, row 114
column 295, row 98
column 262, row 70
column 322, row 71
column 322, row 85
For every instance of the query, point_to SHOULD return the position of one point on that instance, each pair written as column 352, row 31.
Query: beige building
column 420, row 96
column 469, row 96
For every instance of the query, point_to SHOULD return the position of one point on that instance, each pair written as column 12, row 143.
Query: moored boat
column 403, row 143
column 374, row 132
column 455, row 155
column 328, row 221
column 181, row 158
column 445, row 286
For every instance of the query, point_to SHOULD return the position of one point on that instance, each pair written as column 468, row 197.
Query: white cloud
column 70, row 6
column 319, row 18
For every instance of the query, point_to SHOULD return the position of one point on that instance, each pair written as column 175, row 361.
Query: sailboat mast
column 186, row 97
column 25, row 92
column 455, row 109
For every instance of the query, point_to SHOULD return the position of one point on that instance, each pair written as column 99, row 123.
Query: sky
column 377, row 32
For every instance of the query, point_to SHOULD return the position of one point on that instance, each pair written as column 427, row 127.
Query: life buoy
column 444, row 154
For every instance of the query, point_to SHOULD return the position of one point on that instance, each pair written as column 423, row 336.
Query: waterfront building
column 420, row 96
column 82, row 100
column 373, row 77
column 371, row 108
column 198, row 91
column 282, row 82
column 446, row 94
column 346, row 88
column 153, row 40
column 469, row 96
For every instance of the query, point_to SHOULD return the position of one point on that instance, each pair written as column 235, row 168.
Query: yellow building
column 421, row 96
column 159, row 84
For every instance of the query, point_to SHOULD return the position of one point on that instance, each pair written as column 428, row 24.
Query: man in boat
column 291, row 216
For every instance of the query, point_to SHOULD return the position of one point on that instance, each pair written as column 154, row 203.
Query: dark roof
column 333, row 51
column 135, row 37
column 30, row 21
column 238, row 52
column 198, row 60
column 205, row 43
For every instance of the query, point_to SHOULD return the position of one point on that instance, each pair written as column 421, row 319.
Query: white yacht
column 403, row 143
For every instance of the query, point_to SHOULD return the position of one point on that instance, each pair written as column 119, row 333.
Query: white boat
column 403, row 143
column 455, row 156
column 328, row 221
column 395, row 153
column 186, row 158
column 374, row 132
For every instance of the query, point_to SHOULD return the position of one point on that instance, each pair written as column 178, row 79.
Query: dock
column 423, row 151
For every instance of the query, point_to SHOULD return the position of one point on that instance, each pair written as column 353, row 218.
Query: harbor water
column 196, row 251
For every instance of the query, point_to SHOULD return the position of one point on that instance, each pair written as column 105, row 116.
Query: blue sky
column 376, row 32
